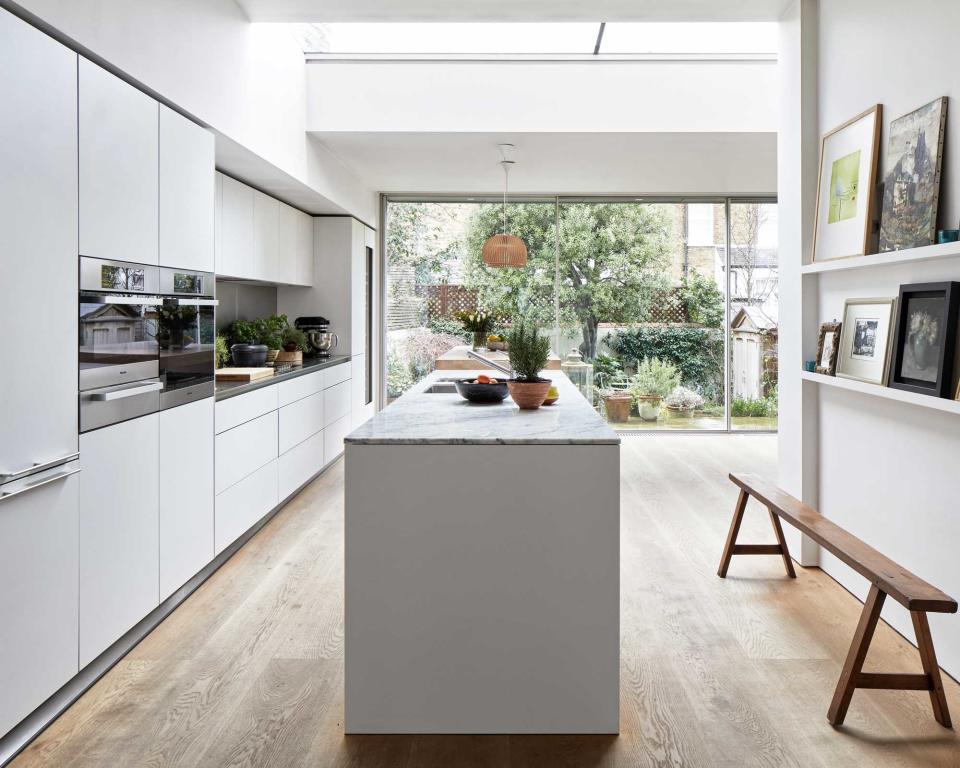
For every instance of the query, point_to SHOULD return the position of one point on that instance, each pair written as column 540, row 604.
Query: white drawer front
column 244, row 449
column 237, row 410
column 333, row 438
column 300, row 463
column 300, row 420
column 300, row 387
column 336, row 402
column 245, row 503
column 336, row 374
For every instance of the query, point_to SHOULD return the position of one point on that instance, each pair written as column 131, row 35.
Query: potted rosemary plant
column 528, row 352
column 683, row 402
column 653, row 381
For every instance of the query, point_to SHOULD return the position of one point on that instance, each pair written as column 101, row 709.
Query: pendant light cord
column 506, row 174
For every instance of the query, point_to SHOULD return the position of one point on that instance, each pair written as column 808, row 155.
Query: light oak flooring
column 248, row 672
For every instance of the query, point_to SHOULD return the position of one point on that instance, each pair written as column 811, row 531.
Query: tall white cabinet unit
column 38, row 414
column 119, row 177
column 187, row 193
column 345, row 258
column 119, row 531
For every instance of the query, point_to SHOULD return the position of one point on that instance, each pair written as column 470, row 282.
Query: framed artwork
column 911, row 188
column 865, row 336
column 847, row 180
column 827, row 346
column 925, row 338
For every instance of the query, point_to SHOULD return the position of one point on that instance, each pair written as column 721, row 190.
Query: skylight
column 536, row 40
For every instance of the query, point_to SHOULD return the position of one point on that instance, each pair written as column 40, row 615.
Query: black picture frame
column 945, row 354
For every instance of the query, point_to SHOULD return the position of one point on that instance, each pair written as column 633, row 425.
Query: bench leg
column 731, row 548
column 778, row 530
column 928, row 658
column 732, row 534
column 852, row 667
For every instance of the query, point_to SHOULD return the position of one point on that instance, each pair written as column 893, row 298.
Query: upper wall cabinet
column 187, row 193
column 259, row 238
column 119, row 147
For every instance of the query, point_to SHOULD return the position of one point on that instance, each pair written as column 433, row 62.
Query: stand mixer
column 322, row 342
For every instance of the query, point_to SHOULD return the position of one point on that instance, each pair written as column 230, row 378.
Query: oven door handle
column 146, row 301
column 40, row 466
column 38, row 484
column 197, row 302
column 120, row 394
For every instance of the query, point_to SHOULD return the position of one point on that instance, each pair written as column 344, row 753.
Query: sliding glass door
column 640, row 288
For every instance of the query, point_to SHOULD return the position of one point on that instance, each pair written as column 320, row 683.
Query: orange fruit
column 483, row 379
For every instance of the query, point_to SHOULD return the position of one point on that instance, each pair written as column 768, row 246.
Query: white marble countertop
column 420, row 418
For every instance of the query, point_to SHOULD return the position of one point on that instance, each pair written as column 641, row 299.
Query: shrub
column 606, row 370
column 683, row 399
column 654, row 377
column 753, row 407
column 399, row 377
column 703, row 300
column 697, row 353
column 422, row 347
column 448, row 327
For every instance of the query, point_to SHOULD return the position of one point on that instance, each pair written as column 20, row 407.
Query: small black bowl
column 249, row 355
column 482, row 393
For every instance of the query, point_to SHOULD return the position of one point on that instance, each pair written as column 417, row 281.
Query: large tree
column 613, row 260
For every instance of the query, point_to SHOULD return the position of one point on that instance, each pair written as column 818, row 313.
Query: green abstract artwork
column 844, row 181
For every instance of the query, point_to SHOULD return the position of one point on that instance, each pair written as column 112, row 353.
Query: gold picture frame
column 855, row 241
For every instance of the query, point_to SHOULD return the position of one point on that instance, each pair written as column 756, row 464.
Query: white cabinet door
column 266, row 236
column 299, row 464
column 38, row 246
column 244, row 449
column 38, row 571
column 186, row 493
column 187, row 193
column 119, row 188
column 300, row 420
column 218, row 224
column 304, row 274
column 360, row 392
column 358, row 290
column 287, row 248
column 333, row 438
column 337, row 402
column 119, row 524
column 236, row 227
column 243, row 504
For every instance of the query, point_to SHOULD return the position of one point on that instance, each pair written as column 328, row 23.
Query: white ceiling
column 558, row 163
column 513, row 10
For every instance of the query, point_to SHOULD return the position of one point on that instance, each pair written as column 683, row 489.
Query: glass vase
column 479, row 341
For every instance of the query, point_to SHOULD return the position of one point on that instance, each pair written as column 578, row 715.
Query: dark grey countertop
column 227, row 389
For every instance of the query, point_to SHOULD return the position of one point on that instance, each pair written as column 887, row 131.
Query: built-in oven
column 146, row 341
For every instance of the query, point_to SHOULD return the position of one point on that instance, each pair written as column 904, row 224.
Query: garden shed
column 754, row 339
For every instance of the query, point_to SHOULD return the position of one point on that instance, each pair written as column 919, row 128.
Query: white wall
column 442, row 96
column 244, row 80
column 888, row 470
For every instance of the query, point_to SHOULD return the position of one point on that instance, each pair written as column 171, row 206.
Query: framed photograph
column 827, row 347
column 865, row 336
column 925, row 338
column 911, row 188
column 845, row 190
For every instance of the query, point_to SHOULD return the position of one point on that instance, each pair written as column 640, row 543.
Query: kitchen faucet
column 508, row 372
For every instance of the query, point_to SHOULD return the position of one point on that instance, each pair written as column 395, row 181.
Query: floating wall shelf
column 875, row 390
column 906, row 256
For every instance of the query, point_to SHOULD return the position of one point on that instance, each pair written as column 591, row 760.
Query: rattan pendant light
column 505, row 250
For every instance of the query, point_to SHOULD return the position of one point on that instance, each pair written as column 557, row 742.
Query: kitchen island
column 482, row 566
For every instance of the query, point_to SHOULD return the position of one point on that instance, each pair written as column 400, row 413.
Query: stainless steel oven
column 146, row 339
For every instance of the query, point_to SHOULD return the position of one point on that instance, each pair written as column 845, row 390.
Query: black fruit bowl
column 249, row 355
column 482, row 393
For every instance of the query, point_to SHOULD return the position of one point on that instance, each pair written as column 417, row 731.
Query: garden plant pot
column 528, row 395
column 618, row 406
column 648, row 407
column 681, row 413
column 272, row 355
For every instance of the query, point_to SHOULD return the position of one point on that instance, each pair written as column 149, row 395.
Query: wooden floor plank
column 715, row 672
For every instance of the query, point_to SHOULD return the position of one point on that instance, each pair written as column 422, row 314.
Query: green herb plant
column 528, row 351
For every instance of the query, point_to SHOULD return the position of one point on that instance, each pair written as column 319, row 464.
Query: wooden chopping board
column 243, row 374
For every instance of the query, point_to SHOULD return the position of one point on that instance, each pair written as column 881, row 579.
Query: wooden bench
column 886, row 578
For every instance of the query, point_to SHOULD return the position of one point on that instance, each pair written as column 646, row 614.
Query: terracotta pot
column 618, row 406
column 528, row 395
column 272, row 355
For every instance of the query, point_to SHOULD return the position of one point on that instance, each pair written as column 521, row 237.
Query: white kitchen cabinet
column 236, row 228
column 266, row 237
column 237, row 410
column 333, row 437
column 304, row 270
column 337, row 402
column 186, row 493
column 119, row 155
column 38, row 570
column 244, row 449
column 361, row 395
column 187, row 193
column 300, row 387
column 38, row 247
column 336, row 374
column 119, row 531
column 287, row 255
column 218, row 223
column 300, row 420
column 244, row 503
column 299, row 464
